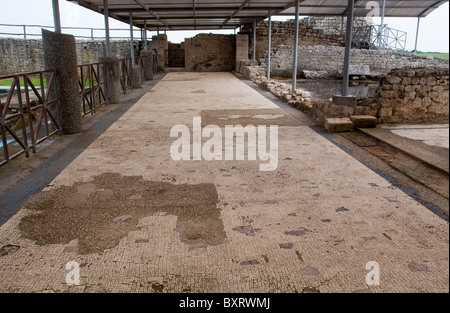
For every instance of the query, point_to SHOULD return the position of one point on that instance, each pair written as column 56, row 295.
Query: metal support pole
column 295, row 60
column 56, row 16
column 254, row 41
column 269, row 51
column 342, row 24
column 133, row 61
column 348, row 46
column 417, row 34
column 157, row 38
column 24, row 32
column 106, row 13
column 381, row 31
column 145, row 36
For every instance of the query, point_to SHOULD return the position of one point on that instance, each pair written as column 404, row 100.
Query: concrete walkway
column 137, row 221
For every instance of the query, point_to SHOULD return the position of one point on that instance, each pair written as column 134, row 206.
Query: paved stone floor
column 429, row 143
column 137, row 221
column 432, row 135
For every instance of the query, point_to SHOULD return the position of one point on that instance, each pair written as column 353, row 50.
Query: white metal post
column 254, row 41
column 381, row 30
column 133, row 61
column 269, row 51
column 56, row 16
column 106, row 13
column 145, row 36
column 417, row 34
column 295, row 60
column 348, row 46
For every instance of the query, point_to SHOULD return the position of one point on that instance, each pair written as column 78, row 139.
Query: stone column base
column 112, row 75
column 60, row 53
column 136, row 77
column 348, row 101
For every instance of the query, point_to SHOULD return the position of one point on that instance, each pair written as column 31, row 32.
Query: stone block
column 315, row 74
column 112, row 72
column 360, row 70
column 385, row 111
column 364, row 121
column 344, row 100
column 393, row 79
column 338, row 125
column 136, row 77
column 60, row 54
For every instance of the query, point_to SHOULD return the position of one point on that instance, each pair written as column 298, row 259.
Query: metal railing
column 126, row 66
column 34, row 32
column 29, row 113
column 93, row 87
column 125, row 74
column 29, row 105
column 377, row 36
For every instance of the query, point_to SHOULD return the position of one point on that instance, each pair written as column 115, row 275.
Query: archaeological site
column 278, row 147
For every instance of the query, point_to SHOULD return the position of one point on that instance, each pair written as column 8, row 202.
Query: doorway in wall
column 176, row 55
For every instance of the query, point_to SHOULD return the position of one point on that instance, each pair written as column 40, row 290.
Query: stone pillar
column 242, row 50
column 136, row 77
column 148, row 65
column 161, row 45
column 112, row 75
column 60, row 53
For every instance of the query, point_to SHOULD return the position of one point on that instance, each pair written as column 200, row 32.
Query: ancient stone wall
column 331, row 60
column 408, row 95
column 26, row 55
column 210, row 53
column 414, row 95
column 326, row 31
column 160, row 45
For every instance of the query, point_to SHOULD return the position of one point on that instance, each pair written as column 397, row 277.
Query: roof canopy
column 231, row 14
column 411, row 8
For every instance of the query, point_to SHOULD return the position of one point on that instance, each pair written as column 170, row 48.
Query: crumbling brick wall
column 210, row 53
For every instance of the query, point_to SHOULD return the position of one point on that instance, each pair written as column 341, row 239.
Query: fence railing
column 376, row 36
column 126, row 66
column 125, row 74
column 93, row 87
column 29, row 112
column 29, row 105
column 34, row 32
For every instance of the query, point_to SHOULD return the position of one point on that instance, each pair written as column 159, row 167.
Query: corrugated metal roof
column 231, row 14
column 410, row 8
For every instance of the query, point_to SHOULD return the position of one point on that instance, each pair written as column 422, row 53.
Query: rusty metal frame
column 45, row 97
column 93, row 85
column 125, row 74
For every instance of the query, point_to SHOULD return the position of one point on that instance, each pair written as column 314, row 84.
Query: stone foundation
column 414, row 95
column 210, row 53
column 331, row 60
column 405, row 96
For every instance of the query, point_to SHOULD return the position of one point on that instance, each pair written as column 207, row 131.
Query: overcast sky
column 433, row 36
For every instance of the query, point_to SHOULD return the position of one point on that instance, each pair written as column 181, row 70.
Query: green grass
column 8, row 82
column 35, row 80
column 434, row 54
